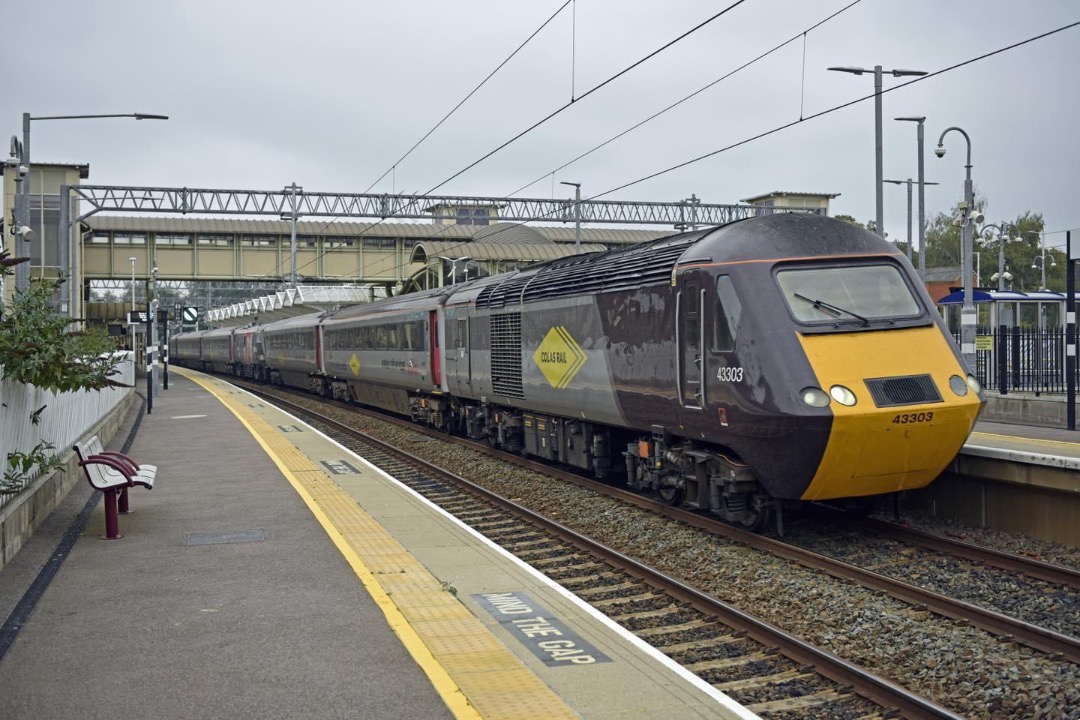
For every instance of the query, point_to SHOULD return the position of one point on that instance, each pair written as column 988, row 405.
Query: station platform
column 1014, row 478
column 256, row 580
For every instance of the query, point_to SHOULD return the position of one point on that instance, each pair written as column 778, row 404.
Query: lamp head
column 940, row 151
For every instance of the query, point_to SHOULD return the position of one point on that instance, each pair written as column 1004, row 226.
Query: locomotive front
column 839, row 380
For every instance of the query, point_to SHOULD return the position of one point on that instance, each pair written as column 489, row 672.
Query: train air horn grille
column 909, row 390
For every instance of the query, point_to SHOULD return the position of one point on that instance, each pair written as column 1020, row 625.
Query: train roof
column 418, row 301
column 293, row 322
column 217, row 332
column 786, row 236
column 769, row 237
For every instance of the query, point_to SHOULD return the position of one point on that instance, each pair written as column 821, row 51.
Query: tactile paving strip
column 474, row 672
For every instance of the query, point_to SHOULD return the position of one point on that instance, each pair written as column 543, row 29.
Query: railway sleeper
column 766, row 680
column 728, row 663
column 674, row 648
column 795, row 704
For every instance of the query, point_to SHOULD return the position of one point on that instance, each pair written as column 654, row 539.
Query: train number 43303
column 908, row 418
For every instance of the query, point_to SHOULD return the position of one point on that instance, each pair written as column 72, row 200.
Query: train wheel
column 755, row 522
column 672, row 495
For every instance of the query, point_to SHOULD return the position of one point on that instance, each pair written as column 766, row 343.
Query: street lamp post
column 577, row 215
column 922, row 195
column 132, row 290
column 878, row 176
column 453, row 266
column 22, row 209
column 1002, row 239
column 1041, row 259
column 969, row 216
column 293, row 189
column 922, row 261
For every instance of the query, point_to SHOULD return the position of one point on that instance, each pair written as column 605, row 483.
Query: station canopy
column 301, row 300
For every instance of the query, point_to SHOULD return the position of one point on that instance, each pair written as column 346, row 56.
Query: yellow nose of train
column 887, row 444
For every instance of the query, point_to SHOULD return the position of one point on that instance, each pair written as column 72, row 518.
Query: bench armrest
column 120, row 457
column 109, row 462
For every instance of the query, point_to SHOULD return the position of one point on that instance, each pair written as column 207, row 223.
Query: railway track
column 759, row 665
column 1008, row 630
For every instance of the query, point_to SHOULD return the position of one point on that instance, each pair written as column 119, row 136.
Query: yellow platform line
column 474, row 673
column 1019, row 439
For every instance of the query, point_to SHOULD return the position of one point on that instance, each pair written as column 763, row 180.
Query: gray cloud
column 330, row 94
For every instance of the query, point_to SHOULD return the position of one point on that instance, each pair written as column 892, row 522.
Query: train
column 771, row 360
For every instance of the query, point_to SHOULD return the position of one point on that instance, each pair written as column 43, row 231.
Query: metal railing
column 1014, row 359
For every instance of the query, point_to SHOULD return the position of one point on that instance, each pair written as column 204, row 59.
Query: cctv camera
column 977, row 217
column 22, row 170
column 25, row 233
column 939, row 151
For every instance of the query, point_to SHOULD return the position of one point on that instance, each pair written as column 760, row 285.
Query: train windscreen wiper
column 833, row 310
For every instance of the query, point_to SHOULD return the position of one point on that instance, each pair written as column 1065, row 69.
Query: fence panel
column 66, row 416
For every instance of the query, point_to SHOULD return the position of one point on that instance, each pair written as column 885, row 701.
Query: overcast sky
column 330, row 94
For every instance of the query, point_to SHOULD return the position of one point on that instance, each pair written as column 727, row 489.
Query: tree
column 1021, row 252
column 849, row 219
column 37, row 349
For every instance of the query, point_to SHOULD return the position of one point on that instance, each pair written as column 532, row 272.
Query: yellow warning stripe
column 1021, row 439
column 476, row 676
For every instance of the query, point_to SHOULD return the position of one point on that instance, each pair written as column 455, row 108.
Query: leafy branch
column 37, row 349
column 22, row 466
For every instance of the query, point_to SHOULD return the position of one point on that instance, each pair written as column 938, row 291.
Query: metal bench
column 95, row 448
column 112, row 473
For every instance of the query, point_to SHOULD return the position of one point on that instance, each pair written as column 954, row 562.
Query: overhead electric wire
column 688, row 97
column 611, row 79
column 834, row 109
column 471, row 93
column 417, row 144
column 797, row 122
column 589, row 92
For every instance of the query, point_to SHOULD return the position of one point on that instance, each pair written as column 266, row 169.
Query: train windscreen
column 855, row 293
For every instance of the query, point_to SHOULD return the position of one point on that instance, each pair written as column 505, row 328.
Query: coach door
column 689, row 324
column 458, row 355
column 433, row 347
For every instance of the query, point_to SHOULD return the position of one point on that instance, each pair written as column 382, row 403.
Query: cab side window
column 725, row 316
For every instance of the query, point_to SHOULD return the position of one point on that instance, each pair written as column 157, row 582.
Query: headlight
column 842, row 395
column 974, row 384
column 959, row 385
column 814, row 397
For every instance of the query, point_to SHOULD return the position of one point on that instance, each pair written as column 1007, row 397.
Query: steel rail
column 865, row 683
column 997, row 623
column 1031, row 567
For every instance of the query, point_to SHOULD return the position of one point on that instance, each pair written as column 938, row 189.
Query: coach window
column 726, row 316
column 462, row 332
column 171, row 239
column 215, row 239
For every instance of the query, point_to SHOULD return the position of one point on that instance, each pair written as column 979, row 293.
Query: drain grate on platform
column 222, row 538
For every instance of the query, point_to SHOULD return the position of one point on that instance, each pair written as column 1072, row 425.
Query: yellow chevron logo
column 559, row 357
column 354, row 365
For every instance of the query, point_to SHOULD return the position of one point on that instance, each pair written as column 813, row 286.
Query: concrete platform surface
column 254, row 582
